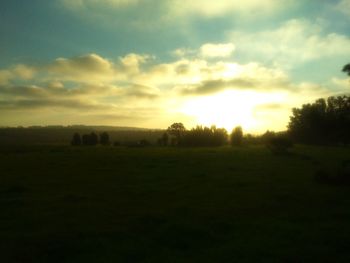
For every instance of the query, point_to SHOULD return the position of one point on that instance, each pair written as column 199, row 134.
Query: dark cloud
column 182, row 69
column 213, row 86
column 141, row 91
column 29, row 91
column 269, row 106
column 21, row 104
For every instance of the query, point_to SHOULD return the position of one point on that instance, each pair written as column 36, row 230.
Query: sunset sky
column 149, row 63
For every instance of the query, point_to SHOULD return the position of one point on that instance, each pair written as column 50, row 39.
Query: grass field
column 110, row 204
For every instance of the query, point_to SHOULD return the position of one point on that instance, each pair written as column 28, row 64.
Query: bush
column 76, row 140
column 237, row 136
column 144, row 143
column 340, row 176
column 343, row 175
column 205, row 137
column 323, row 176
column 104, row 138
column 90, row 139
column 279, row 144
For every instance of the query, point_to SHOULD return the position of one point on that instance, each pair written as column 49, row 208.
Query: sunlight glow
column 231, row 108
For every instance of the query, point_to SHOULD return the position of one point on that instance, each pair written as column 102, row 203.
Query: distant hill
column 63, row 134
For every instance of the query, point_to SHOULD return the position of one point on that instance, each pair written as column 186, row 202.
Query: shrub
column 340, row 176
column 323, row 176
column 76, row 140
column 104, row 138
column 237, row 136
column 279, row 144
column 343, row 175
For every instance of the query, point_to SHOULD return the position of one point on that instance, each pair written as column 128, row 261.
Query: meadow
column 167, row 204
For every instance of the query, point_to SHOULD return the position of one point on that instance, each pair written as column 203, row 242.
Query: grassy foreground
column 64, row 204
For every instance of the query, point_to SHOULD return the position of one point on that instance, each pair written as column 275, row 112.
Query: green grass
column 64, row 204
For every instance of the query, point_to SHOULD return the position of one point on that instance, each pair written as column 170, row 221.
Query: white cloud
column 131, row 62
column 153, row 14
column 87, row 68
column 210, row 50
column 5, row 76
column 344, row 7
column 18, row 71
column 251, row 76
column 209, row 8
column 293, row 42
column 341, row 85
column 24, row 71
column 81, row 4
column 92, row 84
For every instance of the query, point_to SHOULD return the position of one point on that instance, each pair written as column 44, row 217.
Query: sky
column 150, row 63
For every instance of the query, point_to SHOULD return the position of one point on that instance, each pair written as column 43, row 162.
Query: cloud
column 86, row 68
column 344, row 7
column 32, row 104
column 5, row 76
column 92, row 85
column 18, row 71
column 141, row 91
column 30, row 91
column 222, row 76
column 155, row 14
column 209, row 8
column 269, row 107
column 341, row 86
column 131, row 62
column 183, row 52
column 213, row 86
column 217, row 50
column 91, row 4
column 295, row 41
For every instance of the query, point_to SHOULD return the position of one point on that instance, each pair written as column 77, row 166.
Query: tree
column 176, row 130
column 76, row 140
column 86, row 139
column 322, row 122
column 279, row 143
column 205, row 136
column 104, row 138
column 237, row 136
column 164, row 140
column 93, row 138
column 346, row 69
column 90, row 139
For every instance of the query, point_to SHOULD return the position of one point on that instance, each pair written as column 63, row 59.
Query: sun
column 229, row 109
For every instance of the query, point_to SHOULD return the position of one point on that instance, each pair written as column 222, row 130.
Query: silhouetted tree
column 93, row 138
column 204, row 136
column 76, row 140
column 236, row 136
column 165, row 139
column 267, row 137
column 346, row 69
column 279, row 143
column 90, row 139
column 86, row 139
column 324, row 121
column 144, row 143
column 104, row 138
column 176, row 130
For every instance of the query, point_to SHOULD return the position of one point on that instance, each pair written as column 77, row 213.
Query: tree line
column 90, row 139
column 326, row 121
column 178, row 135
